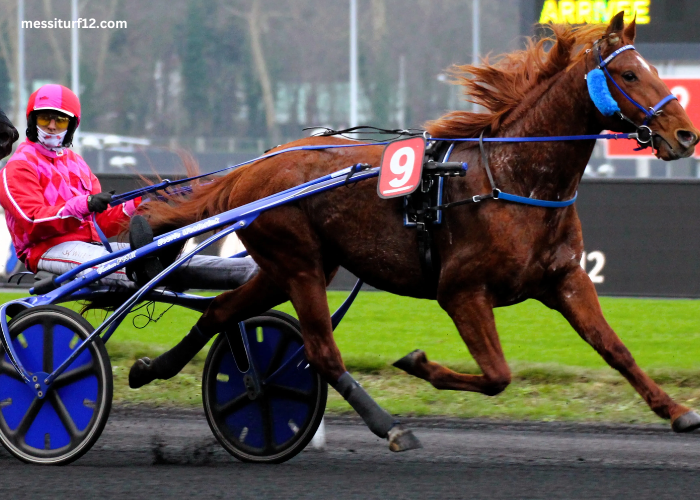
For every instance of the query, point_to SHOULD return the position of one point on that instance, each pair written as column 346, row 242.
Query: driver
column 52, row 201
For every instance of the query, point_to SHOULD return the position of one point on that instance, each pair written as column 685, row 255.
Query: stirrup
column 145, row 269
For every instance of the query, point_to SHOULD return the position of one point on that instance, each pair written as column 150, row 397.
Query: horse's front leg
column 577, row 301
column 307, row 291
column 472, row 313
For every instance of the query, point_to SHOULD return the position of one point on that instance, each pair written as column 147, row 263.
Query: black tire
column 61, row 427
column 280, row 423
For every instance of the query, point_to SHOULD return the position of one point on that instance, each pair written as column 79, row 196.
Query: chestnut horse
column 492, row 254
column 8, row 135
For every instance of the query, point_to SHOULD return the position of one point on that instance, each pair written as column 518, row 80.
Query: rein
column 167, row 183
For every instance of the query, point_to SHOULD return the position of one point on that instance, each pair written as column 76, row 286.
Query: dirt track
column 172, row 454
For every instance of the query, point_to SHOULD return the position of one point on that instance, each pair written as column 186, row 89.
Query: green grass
column 556, row 374
column 380, row 328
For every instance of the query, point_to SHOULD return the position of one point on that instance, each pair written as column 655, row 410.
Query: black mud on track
column 152, row 453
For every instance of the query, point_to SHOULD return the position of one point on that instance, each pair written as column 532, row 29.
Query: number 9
column 406, row 169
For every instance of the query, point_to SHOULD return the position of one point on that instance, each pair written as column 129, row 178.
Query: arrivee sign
column 688, row 92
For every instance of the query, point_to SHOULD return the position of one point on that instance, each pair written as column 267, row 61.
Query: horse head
column 8, row 135
column 642, row 101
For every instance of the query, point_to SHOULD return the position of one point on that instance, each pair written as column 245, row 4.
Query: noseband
column 606, row 104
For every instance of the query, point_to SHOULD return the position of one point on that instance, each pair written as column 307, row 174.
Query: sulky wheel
column 65, row 424
column 278, row 422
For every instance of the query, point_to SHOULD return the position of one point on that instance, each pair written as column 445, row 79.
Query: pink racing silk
column 44, row 194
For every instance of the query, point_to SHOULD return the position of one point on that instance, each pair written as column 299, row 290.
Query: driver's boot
column 146, row 268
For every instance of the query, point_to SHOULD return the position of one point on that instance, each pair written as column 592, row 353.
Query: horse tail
column 164, row 213
column 205, row 200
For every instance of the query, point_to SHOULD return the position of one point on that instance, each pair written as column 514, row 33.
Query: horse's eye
column 629, row 76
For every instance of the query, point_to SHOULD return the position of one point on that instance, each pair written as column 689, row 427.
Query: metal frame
column 74, row 287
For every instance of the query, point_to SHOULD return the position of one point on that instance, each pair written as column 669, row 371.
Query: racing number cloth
column 45, row 200
column 401, row 167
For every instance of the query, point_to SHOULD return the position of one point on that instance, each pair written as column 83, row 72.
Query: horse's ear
column 631, row 30
column 617, row 23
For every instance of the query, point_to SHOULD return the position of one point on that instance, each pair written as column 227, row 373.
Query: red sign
column 401, row 167
column 688, row 92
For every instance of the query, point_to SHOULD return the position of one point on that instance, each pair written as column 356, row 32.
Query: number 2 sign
column 401, row 167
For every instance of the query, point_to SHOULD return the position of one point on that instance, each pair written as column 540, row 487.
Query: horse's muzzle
column 7, row 139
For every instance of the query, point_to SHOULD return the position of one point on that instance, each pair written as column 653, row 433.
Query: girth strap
column 419, row 206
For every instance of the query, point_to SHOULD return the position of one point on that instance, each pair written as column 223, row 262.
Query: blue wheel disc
column 64, row 424
column 278, row 423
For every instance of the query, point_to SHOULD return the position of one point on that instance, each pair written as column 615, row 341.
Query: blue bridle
column 597, row 80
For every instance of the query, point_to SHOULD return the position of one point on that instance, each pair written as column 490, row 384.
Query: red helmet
column 56, row 97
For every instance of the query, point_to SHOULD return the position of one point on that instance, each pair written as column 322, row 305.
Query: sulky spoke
column 29, row 417
column 64, row 415
column 9, row 370
column 79, row 373
column 267, row 419
column 234, row 405
column 279, row 391
column 48, row 347
column 277, row 356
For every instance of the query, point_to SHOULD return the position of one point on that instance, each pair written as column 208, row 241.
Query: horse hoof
column 686, row 422
column 408, row 362
column 401, row 439
column 140, row 373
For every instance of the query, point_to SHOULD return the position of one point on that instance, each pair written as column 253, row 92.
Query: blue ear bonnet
column 600, row 93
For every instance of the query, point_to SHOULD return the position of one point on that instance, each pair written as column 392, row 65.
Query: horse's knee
column 496, row 384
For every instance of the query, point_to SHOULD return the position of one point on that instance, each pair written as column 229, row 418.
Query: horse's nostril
column 686, row 138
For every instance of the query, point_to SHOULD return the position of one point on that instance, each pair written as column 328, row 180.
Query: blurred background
column 228, row 79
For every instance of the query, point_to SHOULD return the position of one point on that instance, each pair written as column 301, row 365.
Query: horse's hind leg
column 577, row 301
column 252, row 298
column 472, row 314
column 307, row 292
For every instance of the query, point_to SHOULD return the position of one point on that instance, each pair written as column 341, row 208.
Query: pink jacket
column 45, row 200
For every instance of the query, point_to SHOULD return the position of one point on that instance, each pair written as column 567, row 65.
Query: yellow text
column 594, row 11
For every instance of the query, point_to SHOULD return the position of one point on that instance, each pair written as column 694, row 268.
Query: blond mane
column 502, row 86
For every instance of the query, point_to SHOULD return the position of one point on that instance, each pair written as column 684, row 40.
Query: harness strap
column 103, row 238
column 485, row 161
column 497, row 194
column 604, row 62
column 365, row 129
column 418, row 205
column 536, row 203
column 425, row 250
column 657, row 109
column 474, row 199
